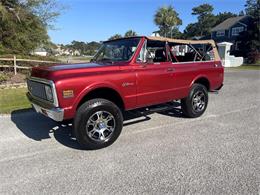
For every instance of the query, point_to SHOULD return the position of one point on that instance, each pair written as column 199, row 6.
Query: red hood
column 56, row 72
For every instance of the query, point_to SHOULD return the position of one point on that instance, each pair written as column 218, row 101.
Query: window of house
column 237, row 30
column 237, row 45
column 220, row 33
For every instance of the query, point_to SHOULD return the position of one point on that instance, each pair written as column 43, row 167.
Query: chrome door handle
column 170, row 69
column 216, row 65
column 143, row 65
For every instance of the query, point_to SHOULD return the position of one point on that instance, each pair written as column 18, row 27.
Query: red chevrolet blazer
column 126, row 74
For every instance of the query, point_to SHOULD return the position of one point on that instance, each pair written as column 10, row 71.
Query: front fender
column 92, row 87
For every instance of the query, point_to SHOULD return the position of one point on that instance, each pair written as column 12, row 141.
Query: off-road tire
column 85, row 111
column 187, row 103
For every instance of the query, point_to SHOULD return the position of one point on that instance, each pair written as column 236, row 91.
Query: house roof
column 228, row 23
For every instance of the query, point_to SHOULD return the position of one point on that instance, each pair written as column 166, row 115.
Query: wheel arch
column 105, row 92
column 203, row 80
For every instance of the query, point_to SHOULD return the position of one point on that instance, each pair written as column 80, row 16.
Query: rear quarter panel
column 187, row 73
column 213, row 71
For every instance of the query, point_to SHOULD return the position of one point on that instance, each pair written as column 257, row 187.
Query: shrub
column 3, row 77
column 253, row 57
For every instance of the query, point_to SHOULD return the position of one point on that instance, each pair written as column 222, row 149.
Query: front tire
column 97, row 124
column 196, row 103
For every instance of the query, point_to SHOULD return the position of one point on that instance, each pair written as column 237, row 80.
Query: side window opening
column 156, row 51
column 191, row 52
column 153, row 52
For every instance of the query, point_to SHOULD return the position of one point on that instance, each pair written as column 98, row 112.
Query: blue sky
column 97, row 20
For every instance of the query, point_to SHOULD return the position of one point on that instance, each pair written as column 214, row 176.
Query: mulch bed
column 9, row 80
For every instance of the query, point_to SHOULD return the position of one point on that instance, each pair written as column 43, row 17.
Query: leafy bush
column 253, row 57
column 4, row 77
column 10, row 78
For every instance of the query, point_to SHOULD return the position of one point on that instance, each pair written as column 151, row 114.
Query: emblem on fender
column 127, row 84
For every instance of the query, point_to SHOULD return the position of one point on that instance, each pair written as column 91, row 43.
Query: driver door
column 154, row 73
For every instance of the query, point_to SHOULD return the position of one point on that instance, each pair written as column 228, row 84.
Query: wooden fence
column 14, row 60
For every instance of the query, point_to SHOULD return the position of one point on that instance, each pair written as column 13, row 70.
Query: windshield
column 117, row 51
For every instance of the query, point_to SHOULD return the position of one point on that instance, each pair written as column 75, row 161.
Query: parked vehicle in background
column 126, row 74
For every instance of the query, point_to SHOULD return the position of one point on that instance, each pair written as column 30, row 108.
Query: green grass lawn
column 74, row 59
column 13, row 99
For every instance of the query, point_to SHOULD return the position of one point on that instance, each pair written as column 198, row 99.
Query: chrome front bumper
column 54, row 113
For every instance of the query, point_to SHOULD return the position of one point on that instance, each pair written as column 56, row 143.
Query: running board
column 159, row 108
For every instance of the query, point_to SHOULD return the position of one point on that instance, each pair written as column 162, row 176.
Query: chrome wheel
column 198, row 101
column 100, row 126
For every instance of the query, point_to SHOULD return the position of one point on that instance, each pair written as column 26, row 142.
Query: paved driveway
column 218, row 153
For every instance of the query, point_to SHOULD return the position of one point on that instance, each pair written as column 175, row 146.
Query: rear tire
column 196, row 103
column 97, row 124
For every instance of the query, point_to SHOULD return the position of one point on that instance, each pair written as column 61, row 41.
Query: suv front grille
column 37, row 89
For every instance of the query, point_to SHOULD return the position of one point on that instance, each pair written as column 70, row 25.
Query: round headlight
column 48, row 92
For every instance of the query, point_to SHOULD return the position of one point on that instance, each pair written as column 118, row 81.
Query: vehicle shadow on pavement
column 39, row 127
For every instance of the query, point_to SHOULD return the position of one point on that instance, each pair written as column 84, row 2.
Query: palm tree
column 130, row 33
column 167, row 19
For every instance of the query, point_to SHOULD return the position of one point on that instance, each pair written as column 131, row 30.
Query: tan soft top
column 182, row 41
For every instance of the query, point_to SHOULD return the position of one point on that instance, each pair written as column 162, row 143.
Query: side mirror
column 149, row 59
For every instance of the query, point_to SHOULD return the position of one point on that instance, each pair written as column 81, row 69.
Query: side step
column 159, row 108
column 142, row 114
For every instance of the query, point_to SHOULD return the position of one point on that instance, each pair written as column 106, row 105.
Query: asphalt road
column 218, row 153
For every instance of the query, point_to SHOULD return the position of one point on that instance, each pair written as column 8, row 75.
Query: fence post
column 15, row 70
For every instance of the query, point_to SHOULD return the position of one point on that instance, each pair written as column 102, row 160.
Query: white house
column 40, row 52
column 66, row 51
column 155, row 34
